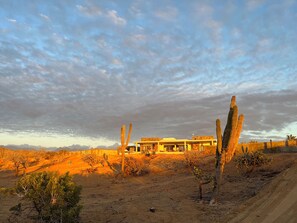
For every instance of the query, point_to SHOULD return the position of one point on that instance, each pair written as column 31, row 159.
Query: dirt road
column 275, row 204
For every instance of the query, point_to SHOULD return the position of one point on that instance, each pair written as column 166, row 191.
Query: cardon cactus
column 226, row 144
column 124, row 143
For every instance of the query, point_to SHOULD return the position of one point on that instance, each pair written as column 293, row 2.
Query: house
column 159, row 145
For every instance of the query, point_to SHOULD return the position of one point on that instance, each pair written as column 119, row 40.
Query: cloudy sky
column 72, row 72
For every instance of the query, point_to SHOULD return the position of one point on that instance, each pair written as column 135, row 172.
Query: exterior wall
column 150, row 147
column 271, row 145
column 200, row 146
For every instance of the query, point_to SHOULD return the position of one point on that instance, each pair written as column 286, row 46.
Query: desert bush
column 203, row 177
column 3, row 152
column 48, row 155
column 21, row 161
column 92, row 160
column 17, row 163
column 63, row 152
column 248, row 161
column 115, row 168
column 135, row 167
column 47, row 197
column 196, row 161
column 192, row 158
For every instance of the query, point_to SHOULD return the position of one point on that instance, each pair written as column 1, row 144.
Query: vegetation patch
column 47, row 197
column 248, row 161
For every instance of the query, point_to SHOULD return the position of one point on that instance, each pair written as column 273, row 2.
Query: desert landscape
column 166, row 191
column 148, row 111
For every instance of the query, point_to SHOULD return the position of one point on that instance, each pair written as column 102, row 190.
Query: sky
column 72, row 72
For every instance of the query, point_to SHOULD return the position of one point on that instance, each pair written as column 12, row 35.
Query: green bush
column 248, row 161
column 50, row 197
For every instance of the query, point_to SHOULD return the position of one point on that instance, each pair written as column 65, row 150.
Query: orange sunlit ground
column 169, row 187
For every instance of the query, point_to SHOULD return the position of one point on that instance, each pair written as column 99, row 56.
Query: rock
column 152, row 209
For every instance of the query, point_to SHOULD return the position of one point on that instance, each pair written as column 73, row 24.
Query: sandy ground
column 267, row 195
column 277, row 203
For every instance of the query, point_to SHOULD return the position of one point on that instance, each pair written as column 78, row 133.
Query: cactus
column 244, row 151
column 226, row 144
column 124, row 144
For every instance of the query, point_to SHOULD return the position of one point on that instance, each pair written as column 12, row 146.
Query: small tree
column 47, row 197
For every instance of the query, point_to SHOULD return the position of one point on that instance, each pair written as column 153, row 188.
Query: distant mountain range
column 70, row 148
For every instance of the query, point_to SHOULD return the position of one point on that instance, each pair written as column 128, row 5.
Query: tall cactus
column 124, row 143
column 226, row 144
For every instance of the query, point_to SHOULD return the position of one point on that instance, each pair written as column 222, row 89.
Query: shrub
column 197, row 162
column 3, row 152
column 92, row 160
column 48, row 155
column 192, row 158
column 135, row 167
column 248, row 161
column 47, row 197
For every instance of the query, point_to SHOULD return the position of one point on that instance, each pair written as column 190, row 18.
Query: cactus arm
column 228, row 128
column 236, row 138
column 219, row 136
column 129, row 135
column 231, row 141
column 123, row 130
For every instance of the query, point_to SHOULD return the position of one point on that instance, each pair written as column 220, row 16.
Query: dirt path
column 276, row 203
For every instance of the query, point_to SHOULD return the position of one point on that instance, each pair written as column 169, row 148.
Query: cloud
column 82, row 75
column 90, row 10
column 168, row 13
column 205, row 16
column 12, row 20
column 44, row 16
column 113, row 16
column 253, row 4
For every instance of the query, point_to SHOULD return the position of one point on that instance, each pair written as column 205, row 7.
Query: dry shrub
column 93, row 161
column 48, row 155
column 135, row 166
column 199, row 163
column 3, row 153
column 199, row 159
column 192, row 158
column 248, row 161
